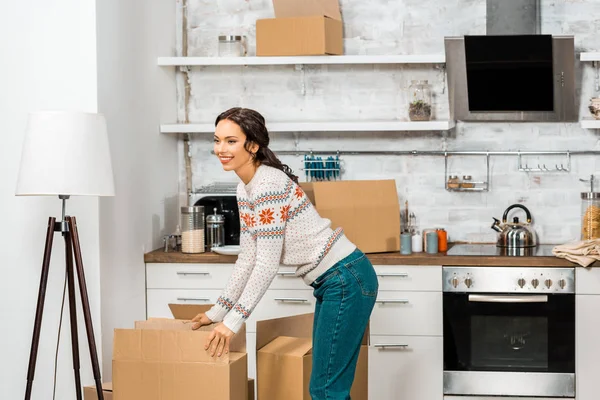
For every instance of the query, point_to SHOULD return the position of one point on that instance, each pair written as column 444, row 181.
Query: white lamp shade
column 65, row 153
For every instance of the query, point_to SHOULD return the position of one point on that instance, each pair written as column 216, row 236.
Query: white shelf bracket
column 300, row 67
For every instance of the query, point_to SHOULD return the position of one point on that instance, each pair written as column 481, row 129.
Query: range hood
column 514, row 72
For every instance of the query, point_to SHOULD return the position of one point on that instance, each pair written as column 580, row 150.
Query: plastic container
column 192, row 229
column 419, row 107
column 417, row 242
column 231, row 46
column 590, row 215
column 442, row 239
column 215, row 230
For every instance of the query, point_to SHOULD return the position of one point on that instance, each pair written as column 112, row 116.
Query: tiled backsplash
column 370, row 92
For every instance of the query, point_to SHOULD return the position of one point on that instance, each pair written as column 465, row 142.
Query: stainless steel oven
column 509, row 331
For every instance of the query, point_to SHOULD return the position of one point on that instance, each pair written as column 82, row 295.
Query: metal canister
column 215, row 230
column 192, row 229
column 442, row 239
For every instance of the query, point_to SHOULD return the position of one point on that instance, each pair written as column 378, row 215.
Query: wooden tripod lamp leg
column 73, row 313
column 85, row 303
column 39, row 311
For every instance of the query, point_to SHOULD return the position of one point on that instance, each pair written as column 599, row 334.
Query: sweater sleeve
column 243, row 265
column 271, row 208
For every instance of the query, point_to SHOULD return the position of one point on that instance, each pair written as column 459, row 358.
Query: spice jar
column 419, row 108
column 467, row 182
column 231, row 46
column 442, row 239
column 453, row 182
column 590, row 215
column 215, row 230
column 192, row 229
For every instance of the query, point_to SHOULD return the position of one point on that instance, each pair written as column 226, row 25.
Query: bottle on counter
column 417, row 242
column 442, row 239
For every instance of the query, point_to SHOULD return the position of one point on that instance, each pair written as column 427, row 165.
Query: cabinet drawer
column 409, row 277
column 407, row 313
column 286, row 279
column 409, row 367
column 158, row 300
column 281, row 303
column 187, row 276
column 587, row 280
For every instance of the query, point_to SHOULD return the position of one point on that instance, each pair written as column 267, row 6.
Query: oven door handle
column 483, row 298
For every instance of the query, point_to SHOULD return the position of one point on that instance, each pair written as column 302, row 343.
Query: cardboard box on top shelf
column 164, row 359
column 284, row 359
column 301, row 28
column 368, row 211
column 89, row 392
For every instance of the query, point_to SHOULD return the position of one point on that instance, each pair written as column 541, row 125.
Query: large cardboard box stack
column 301, row 28
column 284, row 360
column 89, row 392
column 164, row 359
column 368, row 211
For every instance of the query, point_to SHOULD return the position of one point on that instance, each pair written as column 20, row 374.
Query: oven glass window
column 505, row 336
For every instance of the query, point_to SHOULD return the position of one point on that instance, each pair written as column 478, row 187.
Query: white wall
column 351, row 92
column 48, row 62
column 135, row 95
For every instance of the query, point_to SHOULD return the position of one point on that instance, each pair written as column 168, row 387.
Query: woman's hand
column 219, row 340
column 200, row 320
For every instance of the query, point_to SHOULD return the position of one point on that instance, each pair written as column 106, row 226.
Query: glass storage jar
column 231, row 46
column 192, row 229
column 419, row 107
column 590, row 215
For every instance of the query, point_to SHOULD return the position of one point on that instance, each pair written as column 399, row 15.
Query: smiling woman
column 279, row 225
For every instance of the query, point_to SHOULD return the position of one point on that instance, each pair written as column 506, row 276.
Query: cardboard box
column 368, row 211
column 301, row 28
column 89, row 392
column 164, row 359
column 284, row 360
column 250, row 389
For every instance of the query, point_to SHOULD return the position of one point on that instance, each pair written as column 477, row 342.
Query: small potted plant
column 418, row 110
column 595, row 107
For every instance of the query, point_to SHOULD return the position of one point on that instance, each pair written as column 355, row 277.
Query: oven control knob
column 454, row 281
column 521, row 282
column 548, row 283
column 535, row 283
column 468, row 282
column 562, row 283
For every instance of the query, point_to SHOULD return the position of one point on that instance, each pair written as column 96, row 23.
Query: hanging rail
column 435, row 152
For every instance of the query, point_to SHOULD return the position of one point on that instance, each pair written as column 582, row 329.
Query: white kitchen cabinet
column 187, row 276
column 587, row 280
column 158, row 300
column 281, row 303
column 407, row 313
column 409, row 277
column 406, row 368
column 587, row 346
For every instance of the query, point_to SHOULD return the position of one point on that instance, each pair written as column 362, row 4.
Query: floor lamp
column 65, row 154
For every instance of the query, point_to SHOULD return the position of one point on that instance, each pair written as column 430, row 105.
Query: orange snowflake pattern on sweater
column 266, row 216
column 284, row 213
column 248, row 219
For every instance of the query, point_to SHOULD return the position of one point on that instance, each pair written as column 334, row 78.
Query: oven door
column 509, row 344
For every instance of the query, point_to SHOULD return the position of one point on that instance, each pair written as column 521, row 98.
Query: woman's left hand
column 219, row 339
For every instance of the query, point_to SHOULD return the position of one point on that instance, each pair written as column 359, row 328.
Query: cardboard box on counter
column 368, row 211
column 89, row 392
column 164, row 359
column 284, row 360
column 301, row 28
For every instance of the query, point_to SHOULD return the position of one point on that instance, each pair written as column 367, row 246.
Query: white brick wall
column 379, row 92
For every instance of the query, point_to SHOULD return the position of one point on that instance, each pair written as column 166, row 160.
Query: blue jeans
column 345, row 298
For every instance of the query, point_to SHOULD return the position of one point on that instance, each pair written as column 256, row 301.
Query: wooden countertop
column 395, row 258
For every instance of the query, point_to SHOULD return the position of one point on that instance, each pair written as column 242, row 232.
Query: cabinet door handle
column 286, row 273
column 391, row 345
column 396, row 274
column 291, row 299
column 192, row 273
column 397, row 301
column 192, row 299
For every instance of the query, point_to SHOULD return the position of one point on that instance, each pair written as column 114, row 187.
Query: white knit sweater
column 278, row 225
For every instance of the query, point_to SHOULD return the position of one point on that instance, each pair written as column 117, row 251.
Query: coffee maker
column 226, row 206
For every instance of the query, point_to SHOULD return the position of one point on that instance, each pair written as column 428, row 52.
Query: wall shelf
column 590, row 123
column 590, row 56
column 359, row 126
column 303, row 60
